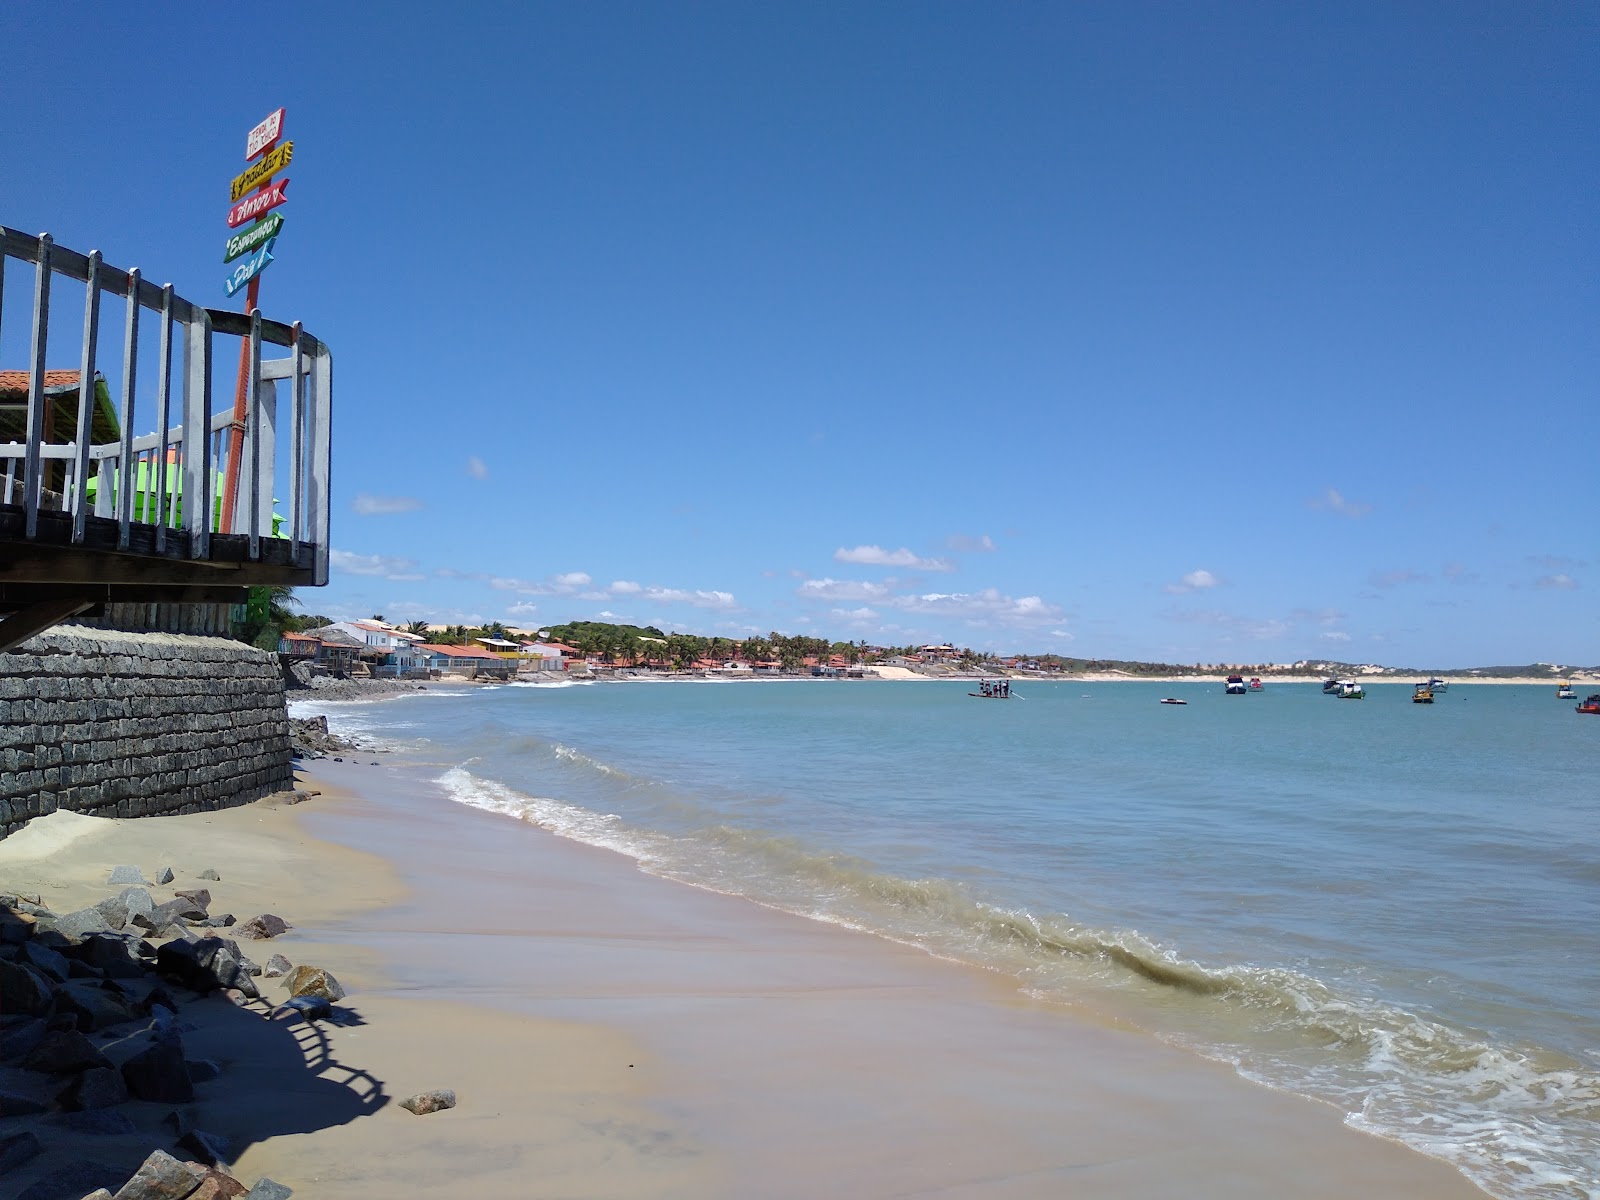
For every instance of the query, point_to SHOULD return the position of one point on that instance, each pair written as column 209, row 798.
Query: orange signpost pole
column 262, row 142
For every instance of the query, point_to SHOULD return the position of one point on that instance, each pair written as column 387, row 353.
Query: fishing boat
column 993, row 691
column 1437, row 685
column 1330, row 687
column 1422, row 694
column 1256, row 685
column 1590, row 706
column 1173, row 700
column 1235, row 686
column 1564, row 691
column 1349, row 689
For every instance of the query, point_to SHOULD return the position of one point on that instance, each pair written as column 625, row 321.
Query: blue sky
column 1230, row 332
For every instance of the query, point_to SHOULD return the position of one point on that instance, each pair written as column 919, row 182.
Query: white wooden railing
column 147, row 482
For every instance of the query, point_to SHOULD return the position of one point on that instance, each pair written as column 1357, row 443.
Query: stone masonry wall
column 135, row 724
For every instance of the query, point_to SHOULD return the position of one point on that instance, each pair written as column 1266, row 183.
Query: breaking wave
column 1519, row 1120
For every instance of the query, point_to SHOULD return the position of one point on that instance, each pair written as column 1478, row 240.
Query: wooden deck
column 100, row 516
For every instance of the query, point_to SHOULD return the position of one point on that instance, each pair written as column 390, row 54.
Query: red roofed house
column 472, row 661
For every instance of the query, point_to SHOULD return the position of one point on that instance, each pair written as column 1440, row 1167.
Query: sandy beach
column 610, row 1033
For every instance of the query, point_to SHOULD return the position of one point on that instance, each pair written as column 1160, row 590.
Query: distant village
column 377, row 648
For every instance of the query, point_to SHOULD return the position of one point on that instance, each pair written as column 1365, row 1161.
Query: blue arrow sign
column 250, row 268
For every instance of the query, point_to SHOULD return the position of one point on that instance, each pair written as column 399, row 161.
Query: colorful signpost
column 254, row 195
column 261, row 231
column 252, row 207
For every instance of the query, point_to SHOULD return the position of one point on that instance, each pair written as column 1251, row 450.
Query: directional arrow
column 250, row 268
column 254, row 206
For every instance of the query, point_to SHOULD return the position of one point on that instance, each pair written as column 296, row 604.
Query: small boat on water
column 1256, row 685
column 1564, row 691
column 1437, row 685
column 1349, row 689
column 1000, row 690
column 1173, row 700
column 1422, row 694
column 1330, row 687
column 1235, row 686
column 1590, row 706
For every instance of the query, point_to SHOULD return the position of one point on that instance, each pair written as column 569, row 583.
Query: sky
column 1237, row 332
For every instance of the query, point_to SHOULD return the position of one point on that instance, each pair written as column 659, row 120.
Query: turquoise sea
column 1392, row 907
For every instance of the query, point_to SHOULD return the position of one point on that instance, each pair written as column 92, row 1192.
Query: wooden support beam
column 20, row 626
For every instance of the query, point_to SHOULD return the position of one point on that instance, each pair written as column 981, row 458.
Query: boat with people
column 1256, row 685
column 1235, row 685
column 999, row 689
column 1422, row 694
column 1350, row 689
column 1590, row 706
column 1564, row 691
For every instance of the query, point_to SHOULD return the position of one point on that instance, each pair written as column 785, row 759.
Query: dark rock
column 208, row 873
column 119, row 955
column 209, row 1148
column 61, row 1022
column 167, row 915
column 202, row 1070
column 64, row 1053
column 99, row 1088
column 16, row 927
column 13, row 1105
column 164, row 875
column 18, row 1149
column 82, row 970
column 112, row 909
column 313, row 981
column 160, row 1177
column 277, row 966
column 199, row 900
column 179, row 1121
column 74, row 925
column 251, row 968
column 221, row 922
column 307, row 1008
column 268, row 1189
column 159, row 1074
column 126, row 875
column 23, row 990
column 99, row 1122
column 205, row 965
column 122, row 908
column 74, row 1180
column 42, row 958
column 94, row 1007
column 100, row 1194
column 217, row 1185
column 18, row 1041
column 262, row 927
column 424, row 1103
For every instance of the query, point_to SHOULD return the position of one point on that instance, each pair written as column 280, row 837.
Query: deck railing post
column 197, row 489
column 320, row 411
column 86, row 399
column 33, row 472
column 164, row 416
column 297, row 448
column 127, row 475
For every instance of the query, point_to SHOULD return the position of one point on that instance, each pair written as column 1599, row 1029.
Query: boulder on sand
column 313, row 981
column 262, row 927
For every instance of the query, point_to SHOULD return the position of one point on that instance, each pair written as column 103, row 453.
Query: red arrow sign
column 252, row 207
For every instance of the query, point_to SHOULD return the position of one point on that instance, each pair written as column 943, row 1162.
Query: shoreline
column 773, row 1033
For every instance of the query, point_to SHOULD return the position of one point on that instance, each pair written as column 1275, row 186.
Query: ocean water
column 1388, row 906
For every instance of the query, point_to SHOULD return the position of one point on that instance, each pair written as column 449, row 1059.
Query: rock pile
column 89, row 1004
column 309, row 738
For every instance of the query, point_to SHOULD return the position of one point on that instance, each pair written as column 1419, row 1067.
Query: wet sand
column 779, row 1056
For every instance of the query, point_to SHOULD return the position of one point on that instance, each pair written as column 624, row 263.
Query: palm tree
column 417, row 627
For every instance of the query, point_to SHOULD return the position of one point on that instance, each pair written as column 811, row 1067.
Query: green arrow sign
column 261, row 231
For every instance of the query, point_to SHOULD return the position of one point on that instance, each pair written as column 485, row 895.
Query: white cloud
column 840, row 589
column 401, row 570
column 625, row 587
column 477, row 468
column 1334, row 635
column 970, row 545
column 381, row 506
column 708, row 599
column 1062, row 634
column 1556, row 582
column 987, row 607
column 575, row 579
column 1334, row 501
column 523, row 608
column 855, row 614
column 877, row 556
column 1194, row 581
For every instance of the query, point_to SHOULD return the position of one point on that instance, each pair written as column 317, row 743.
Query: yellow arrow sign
column 259, row 173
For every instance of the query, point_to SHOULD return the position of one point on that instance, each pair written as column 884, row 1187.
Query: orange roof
column 14, row 384
column 457, row 651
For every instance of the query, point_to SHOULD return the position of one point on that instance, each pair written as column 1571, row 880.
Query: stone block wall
column 138, row 724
